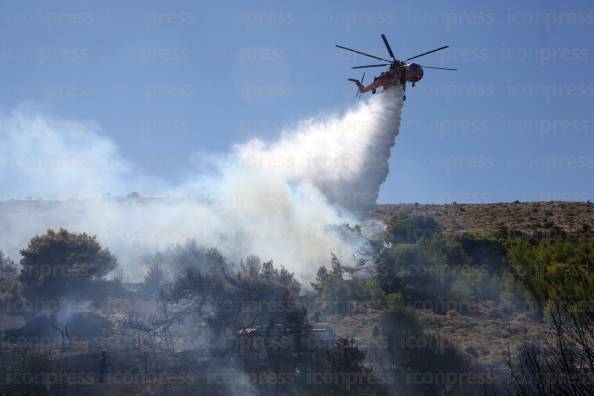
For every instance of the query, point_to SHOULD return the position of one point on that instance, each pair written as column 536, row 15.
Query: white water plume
column 283, row 200
column 345, row 156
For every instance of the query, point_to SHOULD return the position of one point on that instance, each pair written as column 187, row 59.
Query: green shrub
column 558, row 271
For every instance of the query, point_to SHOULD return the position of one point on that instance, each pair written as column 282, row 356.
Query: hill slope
column 533, row 219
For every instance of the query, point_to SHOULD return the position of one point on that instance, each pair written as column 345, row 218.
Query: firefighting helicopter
column 399, row 72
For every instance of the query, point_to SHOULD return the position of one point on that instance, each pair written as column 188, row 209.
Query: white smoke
column 282, row 200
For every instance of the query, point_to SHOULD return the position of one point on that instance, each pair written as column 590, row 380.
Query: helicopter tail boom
column 358, row 83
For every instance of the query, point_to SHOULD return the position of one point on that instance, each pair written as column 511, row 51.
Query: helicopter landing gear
column 373, row 91
column 403, row 98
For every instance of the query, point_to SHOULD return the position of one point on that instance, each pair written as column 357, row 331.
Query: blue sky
column 166, row 79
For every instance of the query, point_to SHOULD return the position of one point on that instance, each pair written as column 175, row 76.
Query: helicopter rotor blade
column 388, row 46
column 428, row 52
column 362, row 53
column 363, row 67
column 362, row 77
column 438, row 68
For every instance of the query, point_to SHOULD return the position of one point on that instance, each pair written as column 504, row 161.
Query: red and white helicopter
column 399, row 71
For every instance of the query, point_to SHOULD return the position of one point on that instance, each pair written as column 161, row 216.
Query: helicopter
column 399, row 72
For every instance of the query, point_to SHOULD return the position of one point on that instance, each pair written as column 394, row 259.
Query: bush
column 411, row 350
column 489, row 253
column 414, row 271
column 62, row 263
column 407, row 228
column 440, row 266
column 559, row 272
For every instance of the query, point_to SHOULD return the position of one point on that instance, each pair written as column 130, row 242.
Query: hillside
column 533, row 219
column 448, row 303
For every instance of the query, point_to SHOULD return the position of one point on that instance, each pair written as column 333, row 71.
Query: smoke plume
column 283, row 200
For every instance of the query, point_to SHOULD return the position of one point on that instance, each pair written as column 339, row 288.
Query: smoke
column 283, row 200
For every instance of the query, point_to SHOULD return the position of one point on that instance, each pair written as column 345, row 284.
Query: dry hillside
column 529, row 218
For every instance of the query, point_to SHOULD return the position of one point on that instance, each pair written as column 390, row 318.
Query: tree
column 59, row 263
column 561, row 362
column 350, row 376
column 212, row 291
column 332, row 288
column 7, row 267
column 322, row 278
column 346, row 356
column 154, row 280
column 10, row 290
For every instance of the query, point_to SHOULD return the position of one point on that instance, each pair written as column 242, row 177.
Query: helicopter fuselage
column 399, row 73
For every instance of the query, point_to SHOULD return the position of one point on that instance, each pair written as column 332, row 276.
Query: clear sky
column 165, row 79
